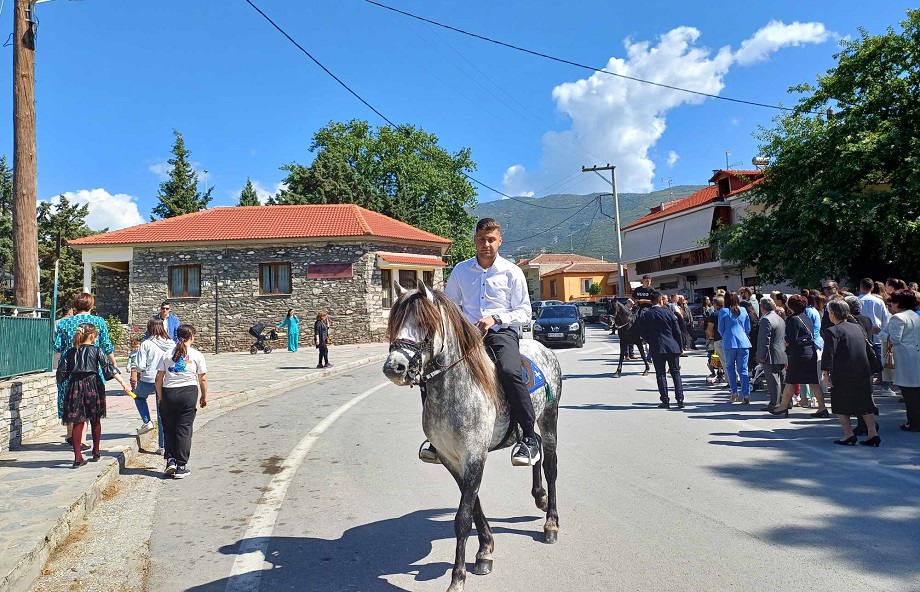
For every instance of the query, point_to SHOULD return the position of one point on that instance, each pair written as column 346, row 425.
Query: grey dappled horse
column 627, row 327
column 465, row 413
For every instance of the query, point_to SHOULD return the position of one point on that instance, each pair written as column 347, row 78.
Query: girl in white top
column 180, row 373
column 144, row 374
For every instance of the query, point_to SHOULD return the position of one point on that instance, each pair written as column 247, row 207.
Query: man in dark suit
column 661, row 330
column 771, row 350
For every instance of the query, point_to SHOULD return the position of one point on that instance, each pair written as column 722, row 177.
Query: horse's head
column 623, row 315
column 415, row 332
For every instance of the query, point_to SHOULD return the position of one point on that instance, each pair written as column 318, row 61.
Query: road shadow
column 365, row 555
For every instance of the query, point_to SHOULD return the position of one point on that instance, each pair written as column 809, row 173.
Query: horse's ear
column 424, row 291
column 398, row 289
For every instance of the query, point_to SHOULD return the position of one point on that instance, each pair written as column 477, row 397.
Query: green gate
column 25, row 341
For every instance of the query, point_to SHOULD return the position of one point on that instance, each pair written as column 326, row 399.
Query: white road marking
column 581, row 351
column 246, row 573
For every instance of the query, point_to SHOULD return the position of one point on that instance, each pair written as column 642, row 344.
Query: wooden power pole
column 25, row 197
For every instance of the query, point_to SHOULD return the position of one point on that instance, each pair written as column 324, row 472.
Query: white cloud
column 672, row 158
column 162, row 170
column 777, row 35
column 106, row 210
column 264, row 193
column 620, row 121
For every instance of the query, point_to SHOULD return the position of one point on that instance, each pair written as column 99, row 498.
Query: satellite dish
column 760, row 162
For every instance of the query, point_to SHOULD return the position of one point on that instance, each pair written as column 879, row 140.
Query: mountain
column 570, row 223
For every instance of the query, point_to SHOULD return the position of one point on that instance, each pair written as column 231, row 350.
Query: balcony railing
column 680, row 260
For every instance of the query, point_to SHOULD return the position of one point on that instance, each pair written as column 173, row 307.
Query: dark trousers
column 504, row 349
column 323, row 353
column 673, row 363
column 178, row 411
column 774, row 377
column 911, row 400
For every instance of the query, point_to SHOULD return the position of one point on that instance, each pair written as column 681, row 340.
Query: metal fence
column 25, row 341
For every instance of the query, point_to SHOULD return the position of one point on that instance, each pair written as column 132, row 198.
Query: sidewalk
column 42, row 498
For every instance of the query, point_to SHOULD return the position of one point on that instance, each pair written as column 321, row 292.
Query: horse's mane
column 429, row 319
column 623, row 313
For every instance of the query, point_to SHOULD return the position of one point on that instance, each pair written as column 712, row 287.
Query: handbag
column 806, row 339
column 889, row 355
column 875, row 365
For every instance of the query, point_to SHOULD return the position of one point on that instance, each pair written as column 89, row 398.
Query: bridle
column 418, row 349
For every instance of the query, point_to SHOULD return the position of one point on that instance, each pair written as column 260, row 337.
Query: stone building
column 226, row 269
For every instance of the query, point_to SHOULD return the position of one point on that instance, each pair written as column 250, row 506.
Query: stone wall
column 354, row 304
column 114, row 286
column 28, row 405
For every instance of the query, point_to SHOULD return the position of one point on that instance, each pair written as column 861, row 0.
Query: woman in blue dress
column 63, row 338
column 292, row 322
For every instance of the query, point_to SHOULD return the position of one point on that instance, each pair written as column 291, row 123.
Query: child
column 321, row 339
column 179, row 374
column 144, row 375
column 84, row 399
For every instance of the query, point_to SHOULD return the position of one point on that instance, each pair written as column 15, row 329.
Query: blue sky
column 114, row 78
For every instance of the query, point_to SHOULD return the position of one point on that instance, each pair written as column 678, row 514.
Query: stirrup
column 529, row 461
column 428, row 453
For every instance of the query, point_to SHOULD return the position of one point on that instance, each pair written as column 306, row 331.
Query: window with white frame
column 586, row 285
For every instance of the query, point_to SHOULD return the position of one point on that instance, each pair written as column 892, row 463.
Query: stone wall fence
column 28, row 406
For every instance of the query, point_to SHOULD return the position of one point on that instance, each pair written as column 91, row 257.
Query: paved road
column 713, row 497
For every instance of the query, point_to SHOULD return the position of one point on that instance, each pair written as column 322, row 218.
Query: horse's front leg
column 623, row 347
column 463, row 522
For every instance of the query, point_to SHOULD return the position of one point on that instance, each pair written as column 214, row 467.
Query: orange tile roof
column 584, row 267
column 694, row 200
column 264, row 223
column 410, row 259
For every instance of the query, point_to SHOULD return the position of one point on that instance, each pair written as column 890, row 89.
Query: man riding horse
column 492, row 294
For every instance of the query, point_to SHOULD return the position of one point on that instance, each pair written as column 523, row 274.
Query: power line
column 372, row 108
column 582, row 242
column 552, row 228
column 577, row 64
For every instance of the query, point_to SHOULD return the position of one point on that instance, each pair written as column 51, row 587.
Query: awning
column 408, row 260
column 683, row 233
column 642, row 243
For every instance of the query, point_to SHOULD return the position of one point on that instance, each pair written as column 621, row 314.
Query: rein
column 418, row 349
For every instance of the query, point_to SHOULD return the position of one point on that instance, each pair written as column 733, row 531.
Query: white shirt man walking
column 492, row 294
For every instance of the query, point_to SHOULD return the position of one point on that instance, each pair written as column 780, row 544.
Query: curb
column 21, row 577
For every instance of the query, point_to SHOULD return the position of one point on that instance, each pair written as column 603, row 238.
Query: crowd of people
column 808, row 348
column 162, row 362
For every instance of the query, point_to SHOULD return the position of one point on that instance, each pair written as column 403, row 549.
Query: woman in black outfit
column 846, row 369
column 321, row 339
column 802, row 354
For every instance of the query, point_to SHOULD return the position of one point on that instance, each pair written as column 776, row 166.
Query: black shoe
column 783, row 412
column 873, row 441
column 664, row 405
column 767, row 408
column 96, row 457
column 527, row 452
column 823, row 414
column 680, row 403
column 428, row 453
column 908, row 428
column 78, row 463
column 851, row 441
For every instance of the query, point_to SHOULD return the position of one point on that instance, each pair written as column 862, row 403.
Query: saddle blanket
column 533, row 376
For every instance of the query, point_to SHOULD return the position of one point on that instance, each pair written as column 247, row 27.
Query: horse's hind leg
column 483, row 564
column 644, row 357
column 538, row 493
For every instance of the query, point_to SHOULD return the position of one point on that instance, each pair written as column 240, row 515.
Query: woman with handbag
column 903, row 332
column 847, row 370
column 321, row 339
column 802, row 353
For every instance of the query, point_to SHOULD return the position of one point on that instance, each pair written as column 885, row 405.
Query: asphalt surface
column 712, row 497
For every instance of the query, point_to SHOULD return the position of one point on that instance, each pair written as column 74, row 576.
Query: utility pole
column 25, row 198
column 621, row 285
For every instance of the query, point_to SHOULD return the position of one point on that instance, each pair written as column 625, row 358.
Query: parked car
column 585, row 308
column 536, row 306
column 560, row 324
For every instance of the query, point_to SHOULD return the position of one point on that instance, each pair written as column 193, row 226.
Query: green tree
column 68, row 219
column 6, row 228
column 179, row 194
column 842, row 191
column 401, row 172
column 248, row 196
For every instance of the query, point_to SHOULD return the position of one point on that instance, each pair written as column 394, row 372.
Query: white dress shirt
column 873, row 307
column 500, row 290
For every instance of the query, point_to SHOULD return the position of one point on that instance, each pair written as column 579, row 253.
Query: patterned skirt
column 85, row 398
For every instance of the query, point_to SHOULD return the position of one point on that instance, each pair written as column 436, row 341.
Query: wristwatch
column 497, row 319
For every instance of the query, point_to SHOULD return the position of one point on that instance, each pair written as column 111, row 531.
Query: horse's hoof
column 616, row 374
column 645, row 373
column 483, row 567
column 550, row 536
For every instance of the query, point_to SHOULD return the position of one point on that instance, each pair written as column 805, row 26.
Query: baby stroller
column 260, row 344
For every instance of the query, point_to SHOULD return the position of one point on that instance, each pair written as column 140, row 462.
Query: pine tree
column 179, row 194
column 248, row 196
column 68, row 219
